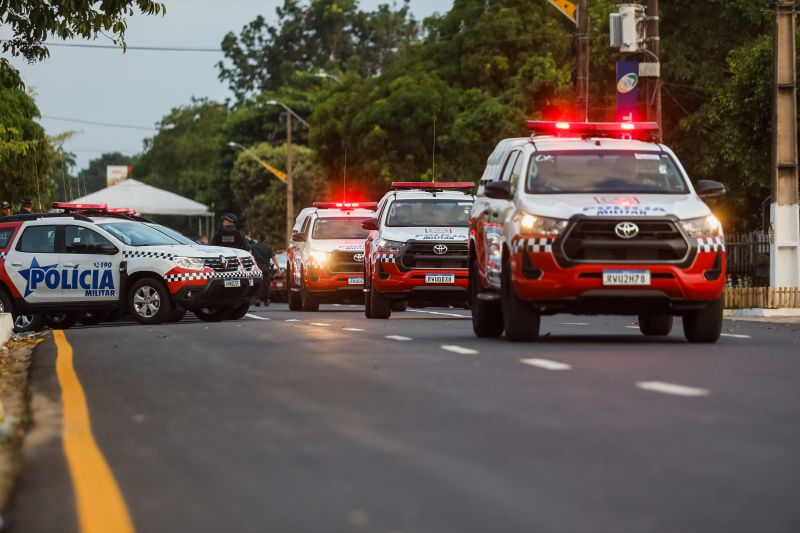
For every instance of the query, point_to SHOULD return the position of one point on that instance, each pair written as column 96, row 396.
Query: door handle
column 69, row 265
column 16, row 264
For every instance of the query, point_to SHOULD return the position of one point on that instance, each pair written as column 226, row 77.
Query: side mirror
column 499, row 190
column 298, row 237
column 370, row 224
column 709, row 189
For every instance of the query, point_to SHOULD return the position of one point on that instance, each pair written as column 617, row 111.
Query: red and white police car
column 417, row 248
column 592, row 218
column 62, row 263
column 326, row 256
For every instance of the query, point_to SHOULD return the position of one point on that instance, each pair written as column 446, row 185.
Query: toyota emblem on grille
column 223, row 261
column 358, row 258
column 440, row 249
column 626, row 230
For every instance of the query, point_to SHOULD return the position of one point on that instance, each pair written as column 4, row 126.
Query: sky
column 139, row 87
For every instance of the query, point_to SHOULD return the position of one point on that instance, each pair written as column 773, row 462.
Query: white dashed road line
column 575, row 323
column 546, row 364
column 257, row 317
column 672, row 388
column 632, row 327
column 458, row 349
column 292, row 320
column 437, row 313
column 352, row 329
column 735, row 336
column 320, row 324
column 398, row 338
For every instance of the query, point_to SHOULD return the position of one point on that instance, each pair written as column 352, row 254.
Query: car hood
column 405, row 234
column 682, row 206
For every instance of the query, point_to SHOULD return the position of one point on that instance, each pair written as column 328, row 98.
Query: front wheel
column 520, row 320
column 399, row 306
column 149, row 302
column 705, row 325
column 487, row 315
column 655, row 325
column 380, row 306
column 293, row 297
column 239, row 312
column 309, row 302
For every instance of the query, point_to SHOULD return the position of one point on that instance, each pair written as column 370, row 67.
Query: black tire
column 399, row 306
column 212, row 314
column 487, row 316
column 149, row 301
column 28, row 323
column 380, row 305
column 655, row 325
column 705, row 325
column 309, row 302
column 93, row 317
column 239, row 312
column 520, row 321
column 367, row 302
column 177, row 315
column 293, row 297
column 63, row 320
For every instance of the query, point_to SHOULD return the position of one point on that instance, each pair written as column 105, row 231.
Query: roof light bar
column 593, row 129
column 78, row 207
column 439, row 185
column 346, row 205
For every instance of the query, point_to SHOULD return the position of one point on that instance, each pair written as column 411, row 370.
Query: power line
column 142, row 48
column 104, row 124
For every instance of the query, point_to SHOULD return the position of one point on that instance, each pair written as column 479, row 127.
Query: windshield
column 137, row 234
column 603, row 172
column 339, row 228
column 432, row 212
column 178, row 236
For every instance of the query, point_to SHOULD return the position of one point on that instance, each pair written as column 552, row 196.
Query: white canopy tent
column 147, row 200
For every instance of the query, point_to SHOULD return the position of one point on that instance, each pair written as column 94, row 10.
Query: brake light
column 427, row 185
column 67, row 205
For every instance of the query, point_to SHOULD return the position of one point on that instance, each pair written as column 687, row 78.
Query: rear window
column 5, row 237
column 38, row 240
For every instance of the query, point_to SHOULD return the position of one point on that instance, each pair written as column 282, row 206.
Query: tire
column 380, row 306
column 149, row 302
column 292, row 297
column 655, row 325
column 28, row 323
column 177, row 315
column 239, row 312
column 705, row 325
column 60, row 320
column 308, row 301
column 367, row 304
column 399, row 307
column 487, row 316
column 520, row 321
column 93, row 317
column 212, row 314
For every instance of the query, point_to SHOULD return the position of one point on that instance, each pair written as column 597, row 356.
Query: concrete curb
column 762, row 313
column 6, row 327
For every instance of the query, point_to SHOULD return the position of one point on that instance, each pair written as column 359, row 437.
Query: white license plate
column 358, row 280
column 279, row 285
column 233, row 283
column 440, row 278
column 626, row 277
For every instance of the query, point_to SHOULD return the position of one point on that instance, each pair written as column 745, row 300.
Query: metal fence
column 747, row 259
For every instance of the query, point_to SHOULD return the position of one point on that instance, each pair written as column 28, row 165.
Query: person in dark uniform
column 230, row 236
column 262, row 252
column 5, row 209
column 27, row 206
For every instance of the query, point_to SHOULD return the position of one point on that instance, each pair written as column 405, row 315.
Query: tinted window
column 339, row 228
column 80, row 240
column 5, row 236
column 38, row 240
column 513, row 157
column 604, row 172
column 420, row 213
column 137, row 234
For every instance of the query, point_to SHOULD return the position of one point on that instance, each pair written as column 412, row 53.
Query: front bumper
column 389, row 280
column 215, row 293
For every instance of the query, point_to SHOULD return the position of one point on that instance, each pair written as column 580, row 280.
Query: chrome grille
column 596, row 241
column 231, row 264
column 345, row 263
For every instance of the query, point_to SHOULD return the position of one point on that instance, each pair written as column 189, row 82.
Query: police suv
column 326, row 256
column 417, row 248
column 591, row 218
column 59, row 264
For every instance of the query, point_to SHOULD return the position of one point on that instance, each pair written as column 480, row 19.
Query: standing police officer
column 230, row 236
column 262, row 252
column 5, row 209
column 27, row 206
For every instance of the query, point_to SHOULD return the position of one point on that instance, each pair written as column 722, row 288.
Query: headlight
column 391, row 247
column 319, row 256
column 709, row 226
column 534, row 224
column 192, row 263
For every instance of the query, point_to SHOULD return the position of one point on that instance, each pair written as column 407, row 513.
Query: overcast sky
column 139, row 87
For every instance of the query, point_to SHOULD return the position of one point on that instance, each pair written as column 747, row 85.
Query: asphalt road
column 327, row 422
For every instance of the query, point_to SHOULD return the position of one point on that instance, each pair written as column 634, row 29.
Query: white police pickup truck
column 61, row 264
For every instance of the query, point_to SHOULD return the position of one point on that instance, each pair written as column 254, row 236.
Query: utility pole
column 289, row 182
column 582, row 67
column 654, row 45
column 785, row 209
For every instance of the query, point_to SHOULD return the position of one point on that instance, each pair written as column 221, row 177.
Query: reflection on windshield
column 603, row 172
column 419, row 213
column 178, row 236
column 339, row 228
column 138, row 234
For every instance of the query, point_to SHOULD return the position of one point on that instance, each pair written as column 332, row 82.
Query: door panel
column 88, row 276
column 33, row 265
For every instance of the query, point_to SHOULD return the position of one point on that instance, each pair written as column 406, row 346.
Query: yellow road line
column 101, row 507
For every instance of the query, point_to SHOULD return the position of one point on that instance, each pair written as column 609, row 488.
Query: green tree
column 262, row 196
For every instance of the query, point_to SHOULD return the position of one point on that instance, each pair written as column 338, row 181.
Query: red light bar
column 120, row 210
column 345, row 205
column 592, row 129
column 439, row 185
column 66, row 205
